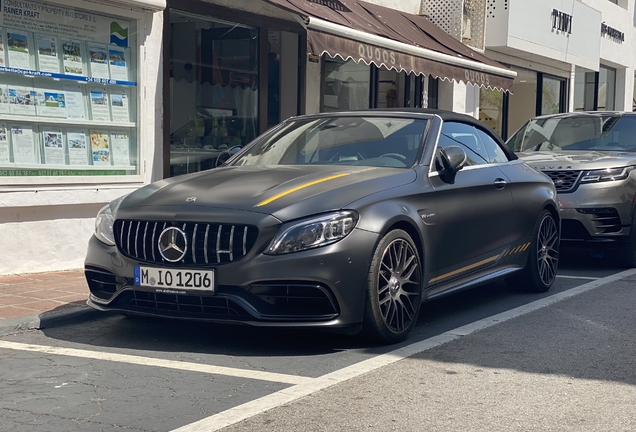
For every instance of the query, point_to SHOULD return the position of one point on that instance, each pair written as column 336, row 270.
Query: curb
column 50, row 319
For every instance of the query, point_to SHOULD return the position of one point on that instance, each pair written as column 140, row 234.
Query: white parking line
column 148, row 361
column 578, row 277
column 258, row 406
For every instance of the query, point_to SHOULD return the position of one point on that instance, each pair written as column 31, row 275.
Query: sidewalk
column 29, row 300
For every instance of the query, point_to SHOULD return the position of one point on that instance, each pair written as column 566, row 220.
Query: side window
column 465, row 136
column 495, row 152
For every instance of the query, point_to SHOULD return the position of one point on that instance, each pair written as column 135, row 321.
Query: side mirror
column 453, row 158
column 226, row 155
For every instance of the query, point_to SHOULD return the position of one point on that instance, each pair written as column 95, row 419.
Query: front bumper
column 324, row 287
column 598, row 212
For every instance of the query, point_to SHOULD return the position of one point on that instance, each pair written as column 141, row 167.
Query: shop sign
column 478, row 78
column 561, row 21
column 56, row 20
column 613, row 34
column 376, row 55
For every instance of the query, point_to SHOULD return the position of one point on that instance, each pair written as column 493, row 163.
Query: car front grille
column 183, row 305
column 208, row 244
column 564, row 181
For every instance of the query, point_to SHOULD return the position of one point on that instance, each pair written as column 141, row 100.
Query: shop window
column 491, row 104
column 346, row 86
column 68, row 94
column 552, row 95
column 522, row 103
column 213, row 89
column 606, row 89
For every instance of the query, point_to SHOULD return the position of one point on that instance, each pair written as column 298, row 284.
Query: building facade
column 569, row 55
column 100, row 98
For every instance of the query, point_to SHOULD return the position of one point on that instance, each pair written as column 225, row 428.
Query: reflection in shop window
column 346, row 85
column 551, row 95
column 606, row 88
column 491, row 108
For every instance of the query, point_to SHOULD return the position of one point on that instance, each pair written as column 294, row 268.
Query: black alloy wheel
column 543, row 260
column 394, row 289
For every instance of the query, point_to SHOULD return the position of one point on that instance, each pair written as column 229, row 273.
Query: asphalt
column 43, row 300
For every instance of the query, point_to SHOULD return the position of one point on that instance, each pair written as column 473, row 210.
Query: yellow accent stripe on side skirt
column 297, row 188
column 464, row 269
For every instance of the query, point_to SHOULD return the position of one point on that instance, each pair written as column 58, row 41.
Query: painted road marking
column 258, row 406
column 148, row 361
column 578, row 277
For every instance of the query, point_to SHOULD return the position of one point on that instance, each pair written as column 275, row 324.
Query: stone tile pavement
column 28, row 300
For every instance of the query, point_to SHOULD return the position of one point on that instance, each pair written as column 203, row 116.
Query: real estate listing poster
column 23, row 147
column 77, row 153
column 18, row 49
column 98, row 55
column 53, row 146
column 121, row 152
column 48, row 60
column 72, row 56
column 4, row 99
column 50, row 103
column 99, row 104
column 100, row 147
column 1, row 49
column 119, row 105
column 75, row 104
column 22, row 100
column 118, row 63
column 4, row 144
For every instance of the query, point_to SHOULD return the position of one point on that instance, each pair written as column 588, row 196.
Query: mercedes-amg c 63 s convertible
column 342, row 221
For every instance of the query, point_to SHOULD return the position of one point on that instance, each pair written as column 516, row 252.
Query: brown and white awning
column 361, row 31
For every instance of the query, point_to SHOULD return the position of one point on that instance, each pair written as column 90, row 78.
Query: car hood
column 577, row 160
column 286, row 192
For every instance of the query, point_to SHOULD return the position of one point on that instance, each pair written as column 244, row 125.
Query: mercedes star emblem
column 173, row 244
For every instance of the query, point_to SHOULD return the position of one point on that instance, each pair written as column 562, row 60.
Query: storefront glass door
column 213, row 89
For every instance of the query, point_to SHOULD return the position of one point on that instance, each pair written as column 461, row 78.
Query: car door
column 474, row 213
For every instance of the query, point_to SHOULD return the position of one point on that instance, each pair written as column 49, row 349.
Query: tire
column 543, row 258
column 394, row 289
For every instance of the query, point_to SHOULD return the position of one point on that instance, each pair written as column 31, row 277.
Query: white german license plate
column 174, row 279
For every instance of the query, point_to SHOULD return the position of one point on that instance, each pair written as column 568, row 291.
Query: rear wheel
column 543, row 259
column 393, row 289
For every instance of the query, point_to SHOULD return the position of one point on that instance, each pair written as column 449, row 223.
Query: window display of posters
column 4, row 99
column 1, row 49
column 74, row 102
column 23, row 149
column 53, row 146
column 117, row 61
column 99, row 104
column 119, row 105
column 98, row 55
column 100, row 148
column 18, row 49
column 22, row 100
column 76, row 147
column 4, row 144
column 121, row 154
column 50, row 103
column 72, row 55
column 47, row 54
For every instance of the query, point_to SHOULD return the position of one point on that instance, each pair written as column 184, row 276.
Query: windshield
column 585, row 133
column 364, row 141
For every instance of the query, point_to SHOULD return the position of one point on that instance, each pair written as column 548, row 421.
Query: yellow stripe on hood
column 306, row 185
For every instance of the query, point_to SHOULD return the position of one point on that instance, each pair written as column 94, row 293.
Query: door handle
column 500, row 183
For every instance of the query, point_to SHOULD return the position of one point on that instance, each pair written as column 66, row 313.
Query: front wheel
column 543, row 260
column 393, row 289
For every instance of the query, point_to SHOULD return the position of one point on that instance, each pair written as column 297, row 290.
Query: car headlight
column 609, row 174
column 312, row 233
column 104, row 226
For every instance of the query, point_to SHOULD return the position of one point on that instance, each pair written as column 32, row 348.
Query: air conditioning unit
column 465, row 20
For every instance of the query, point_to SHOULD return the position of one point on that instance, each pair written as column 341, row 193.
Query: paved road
column 487, row 359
